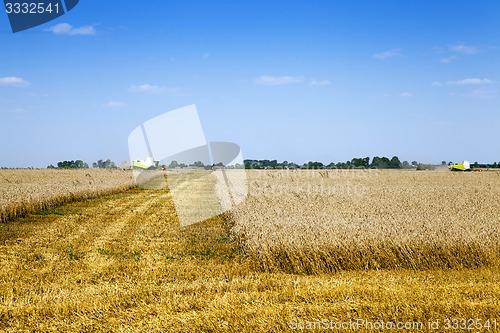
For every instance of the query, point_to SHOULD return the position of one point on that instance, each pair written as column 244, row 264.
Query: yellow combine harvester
column 464, row 166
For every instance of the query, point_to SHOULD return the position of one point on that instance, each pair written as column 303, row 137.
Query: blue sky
column 286, row 80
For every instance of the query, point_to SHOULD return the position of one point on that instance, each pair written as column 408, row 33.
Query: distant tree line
column 108, row 164
column 79, row 164
column 355, row 163
column 480, row 165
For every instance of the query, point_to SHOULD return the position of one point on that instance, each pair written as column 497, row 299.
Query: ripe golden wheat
column 324, row 221
column 24, row 191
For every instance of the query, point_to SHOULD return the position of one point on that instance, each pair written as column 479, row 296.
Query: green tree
column 331, row 165
column 357, row 162
column 380, row 162
column 313, row 165
column 360, row 162
column 108, row 164
column 72, row 164
column 198, row 164
column 395, row 163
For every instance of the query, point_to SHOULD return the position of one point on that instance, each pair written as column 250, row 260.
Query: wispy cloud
column 68, row 29
column 464, row 49
column 449, row 59
column 406, row 94
column 319, row 83
column 115, row 105
column 206, row 55
column 456, row 51
column 464, row 82
column 393, row 53
column 278, row 80
column 154, row 89
column 482, row 88
column 484, row 93
column 471, row 81
column 13, row 81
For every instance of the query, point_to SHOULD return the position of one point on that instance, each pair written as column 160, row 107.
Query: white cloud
column 449, row 59
column 153, row 89
column 68, row 29
column 406, row 94
column 13, row 81
column 464, row 49
column 318, row 83
column 464, row 82
column 470, row 81
column 454, row 52
column 394, row 53
column 483, row 88
column 115, row 105
column 483, row 93
column 278, row 80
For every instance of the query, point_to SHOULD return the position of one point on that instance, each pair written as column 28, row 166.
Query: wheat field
column 26, row 190
column 331, row 220
column 123, row 263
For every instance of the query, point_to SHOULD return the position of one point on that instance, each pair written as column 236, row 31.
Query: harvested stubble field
column 27, row 190
column 326, row 221
column 122, row 263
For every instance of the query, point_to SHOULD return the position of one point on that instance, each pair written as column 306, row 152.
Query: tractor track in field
column 81, row 230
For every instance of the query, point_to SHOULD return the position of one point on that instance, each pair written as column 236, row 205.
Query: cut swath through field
column 311, row 222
